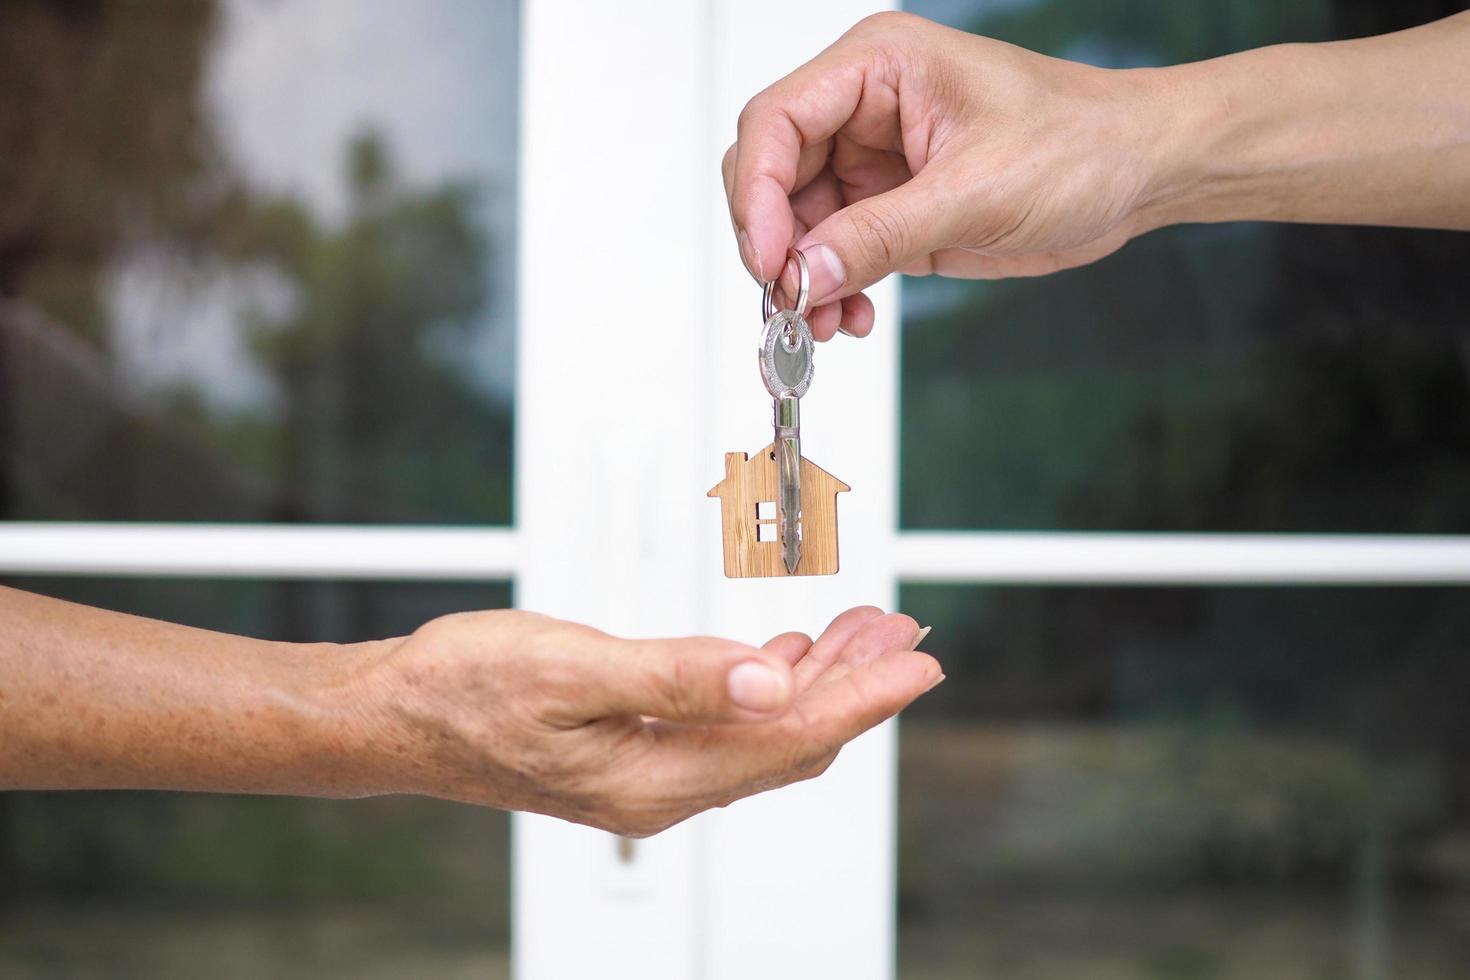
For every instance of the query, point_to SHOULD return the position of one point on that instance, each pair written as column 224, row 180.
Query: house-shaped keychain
column 748, row 495
column 779, row 510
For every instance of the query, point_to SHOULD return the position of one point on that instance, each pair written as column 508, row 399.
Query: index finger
column 781, row 144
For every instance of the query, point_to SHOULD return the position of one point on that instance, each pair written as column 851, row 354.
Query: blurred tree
column 105, row 143
column 378, row 417
column 379, row 420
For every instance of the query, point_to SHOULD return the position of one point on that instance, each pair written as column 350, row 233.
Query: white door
column 636, row 376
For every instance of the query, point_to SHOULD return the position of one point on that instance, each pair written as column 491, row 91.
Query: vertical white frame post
column 636, row 374
column 800, row 882
column 608, row 410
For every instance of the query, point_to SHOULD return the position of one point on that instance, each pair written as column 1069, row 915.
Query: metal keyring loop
column 803, row 287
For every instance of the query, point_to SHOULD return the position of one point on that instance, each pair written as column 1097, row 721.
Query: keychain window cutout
column 766, row 531
column 749, row 483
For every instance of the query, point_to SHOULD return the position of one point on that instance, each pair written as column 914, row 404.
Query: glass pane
column 1188, row 783
column 1216, row 378
column 189, row 885
column 257, row 260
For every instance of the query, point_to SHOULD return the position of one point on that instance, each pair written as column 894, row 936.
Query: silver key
column 787, row 367
column 788, row 462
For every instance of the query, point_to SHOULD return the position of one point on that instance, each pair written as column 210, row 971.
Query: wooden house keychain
column 778, row 510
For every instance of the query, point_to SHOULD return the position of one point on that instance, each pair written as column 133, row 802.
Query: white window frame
column 635, row 376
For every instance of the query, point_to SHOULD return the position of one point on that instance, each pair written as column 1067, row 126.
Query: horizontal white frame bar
column 493, row 554
column 333, row 551
column 1022, row 557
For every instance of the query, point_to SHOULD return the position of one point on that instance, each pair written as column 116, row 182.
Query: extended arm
column 907, row 146
column 504, row 709
column 1374, row 131
column 93, row 699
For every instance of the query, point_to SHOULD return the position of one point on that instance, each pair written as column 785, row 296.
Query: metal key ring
column 803, row 287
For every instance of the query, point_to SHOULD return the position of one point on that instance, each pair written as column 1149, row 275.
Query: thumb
column 865, row 241
column 695, row 680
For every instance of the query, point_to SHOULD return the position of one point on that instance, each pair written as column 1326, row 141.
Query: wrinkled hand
column 907, row 146
column 515, row 710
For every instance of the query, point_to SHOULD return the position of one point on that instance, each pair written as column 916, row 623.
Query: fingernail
column 843, row 329
column 755, row 686
column 937, row 681
column 919, row 638
column 749, row 254
column 826, row 270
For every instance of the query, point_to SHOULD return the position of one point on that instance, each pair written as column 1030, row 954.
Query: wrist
column 341, row 748
column 1231, row 140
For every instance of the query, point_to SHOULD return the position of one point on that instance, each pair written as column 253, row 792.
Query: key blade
column 788, row 461
column 788, row 453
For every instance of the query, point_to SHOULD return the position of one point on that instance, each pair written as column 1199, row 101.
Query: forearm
column 1374, row 131
column 94, row 699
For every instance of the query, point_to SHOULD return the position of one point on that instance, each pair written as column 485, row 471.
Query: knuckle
column 794, row 759
column 678, row 677
column 635, row 830
column 881, row 232
column 820, row 756
column 663, row 698
column 886, row 22
column 821, row 766
column 639, row 824
column 443, row 628
column 676, row 687
column 750, row 113
column 614, row 819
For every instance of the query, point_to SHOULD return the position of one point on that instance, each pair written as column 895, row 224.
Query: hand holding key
column 910, row 147
column 907, row 146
